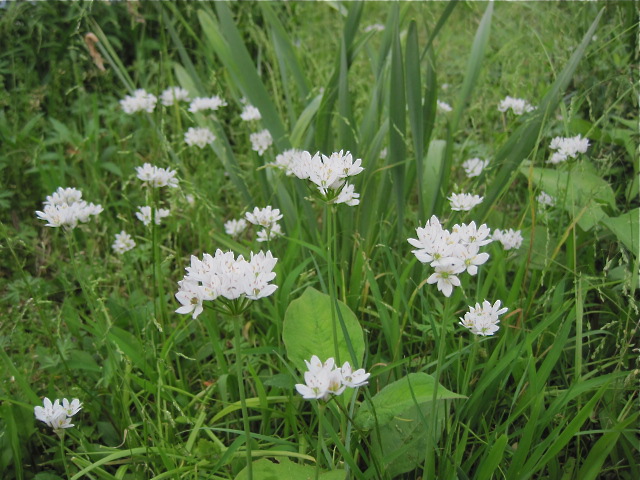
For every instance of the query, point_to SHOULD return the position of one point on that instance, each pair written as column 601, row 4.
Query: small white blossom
column 172, row 95
column 322, row 380
column 65, row 208
column 510, row 239
column 250, row 113
column 375, row 27
column 444, row 106
column 123, row 243
column 56, row 415
column 483, row 320
column 235, row 227
column 225, row 276
column 446, row 276
column 464, row 201
column 567, row 148
column 199, row 104
column 145, row 214
column 545, row 199
column 517, row 105
column 474, row 166
column 200, row 137
column 261, row 141
column 140, row 101
column 157, row 177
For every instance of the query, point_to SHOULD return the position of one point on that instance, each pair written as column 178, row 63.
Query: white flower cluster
column 225, row 276
column 235, row 227
column 267, row 218
column 65, row 208
column 261, row 141
column 157, row 177
column 545, row 199
column 517, row 105
column 145, row 214
column 140, row 101
column 474, row 166
column 200, row 137
column 325, row 379
column 483, row 319
column 444, row 106
column 329, row 174
column 123, row 243
column 172, row 95
column 567, row 147
column 250, row 113
column 464, row 201
column 56, row 415
column 510, row 239
column 199, row 104
column 450, row 253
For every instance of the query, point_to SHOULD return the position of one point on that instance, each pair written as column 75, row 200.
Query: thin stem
column 333, row 295
column 321, row 408
column 237, row 337
column 62, row 454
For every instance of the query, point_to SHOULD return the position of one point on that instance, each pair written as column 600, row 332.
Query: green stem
column 321, row 408
column 237, row 334
column 333, row 295
column 62, row 454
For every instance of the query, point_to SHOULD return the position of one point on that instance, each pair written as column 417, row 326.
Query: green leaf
column 626, row 228
column 282, row 468
column 579, row 191
column 398, row 397
column 308, row 330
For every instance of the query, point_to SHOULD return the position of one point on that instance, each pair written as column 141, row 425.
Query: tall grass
column 553, row 394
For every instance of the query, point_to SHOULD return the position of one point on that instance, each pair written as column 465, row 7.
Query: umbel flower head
column 157, row 177
column 123, row 243
column 510, row 239
column 483, row 319
column 140, row 101
column 267, row 218
column 464, row 201
column 474, row 166
column 517, row 105
column 328, row 173
column 229, row 280
column 172, row 95
column 261, row 141
column 567, row 148
column 199, row 104
column 322, row 380
column 57, row 415
column 450, row 253
column 65, row 208
column 199, row 136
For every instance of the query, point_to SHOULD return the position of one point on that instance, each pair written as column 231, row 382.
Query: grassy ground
column 552, row 394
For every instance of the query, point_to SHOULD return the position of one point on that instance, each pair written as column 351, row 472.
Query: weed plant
column 391, row 343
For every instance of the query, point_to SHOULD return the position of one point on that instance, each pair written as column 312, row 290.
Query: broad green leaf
column 398, row 397
column 626, row 228
column 285, row 469
column 579, row 192
column 308, row 330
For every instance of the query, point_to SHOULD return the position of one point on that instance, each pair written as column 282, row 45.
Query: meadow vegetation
column 403, row 331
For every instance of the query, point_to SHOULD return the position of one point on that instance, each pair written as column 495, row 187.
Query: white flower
column 325, row 379
column 250, row 113
column 464, row 201
column 289, row 159
column 157, row 177
column 348, row 196
column 225, row 276
column 517, row 105
column 375, row 27
column 567, row 148
column 545, row 199
column 65, row 208
column 200, row 137
column 123, row 243
column 270, row 233
column 474, row 166
column 264, row 217
column 510, row 239
column 443, row 106
column 212, row 103
column 235, row 227
column 383, row 153
column 56, row 415
column 483, row 320
column 445, row 276
column 174, row 94
column 145, row 214
column 140, row 101
column 260, row 141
